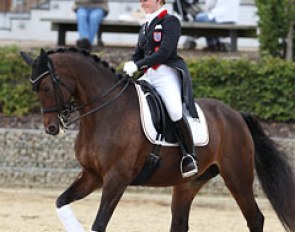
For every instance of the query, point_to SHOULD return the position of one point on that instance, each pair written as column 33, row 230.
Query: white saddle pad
column 198, row 127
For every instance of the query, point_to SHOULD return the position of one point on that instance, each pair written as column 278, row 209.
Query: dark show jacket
column 157, row 44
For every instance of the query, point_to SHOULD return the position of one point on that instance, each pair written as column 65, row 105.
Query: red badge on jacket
column 157, row 36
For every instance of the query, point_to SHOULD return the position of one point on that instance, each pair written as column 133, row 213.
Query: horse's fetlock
column 61, row 201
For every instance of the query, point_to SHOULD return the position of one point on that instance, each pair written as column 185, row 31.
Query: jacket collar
column 157, row 14
column 155, row 20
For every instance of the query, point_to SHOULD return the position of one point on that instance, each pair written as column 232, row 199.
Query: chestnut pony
column 111, row 146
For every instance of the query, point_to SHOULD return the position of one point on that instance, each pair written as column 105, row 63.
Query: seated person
column 187, row 9
column 218, row 11
column 90, row 14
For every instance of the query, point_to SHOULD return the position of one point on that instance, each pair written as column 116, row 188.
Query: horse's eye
column 47, row 89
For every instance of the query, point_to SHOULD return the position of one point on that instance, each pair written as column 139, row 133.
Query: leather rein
column 64, row 109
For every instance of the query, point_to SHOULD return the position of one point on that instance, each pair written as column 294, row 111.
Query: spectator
column 90, row 14
column 186, row 9
column 218, row 11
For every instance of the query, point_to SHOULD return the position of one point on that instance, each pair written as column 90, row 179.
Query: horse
column 111, row 146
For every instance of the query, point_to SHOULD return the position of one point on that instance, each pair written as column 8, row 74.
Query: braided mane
column 94, row 57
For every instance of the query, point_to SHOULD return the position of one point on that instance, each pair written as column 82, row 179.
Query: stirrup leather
column 193, row 171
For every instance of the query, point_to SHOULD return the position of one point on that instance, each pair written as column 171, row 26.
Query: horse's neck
column 93, row 87
column 112, row 119
column 90, row 85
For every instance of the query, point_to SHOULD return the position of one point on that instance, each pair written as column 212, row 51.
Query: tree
column 276, row 25
column 290, row 36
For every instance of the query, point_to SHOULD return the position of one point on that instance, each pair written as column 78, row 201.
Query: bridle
column 65, row 109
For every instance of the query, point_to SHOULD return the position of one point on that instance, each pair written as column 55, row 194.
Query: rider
column 156, row 54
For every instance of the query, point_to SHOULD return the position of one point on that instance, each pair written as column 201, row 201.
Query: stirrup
column 191, row 172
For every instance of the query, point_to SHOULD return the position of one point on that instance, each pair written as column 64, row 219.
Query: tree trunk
column 289, row 53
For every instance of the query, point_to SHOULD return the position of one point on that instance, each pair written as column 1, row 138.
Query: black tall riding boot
column 188, row 165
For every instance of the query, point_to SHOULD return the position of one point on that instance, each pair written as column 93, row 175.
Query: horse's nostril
column 52, row 130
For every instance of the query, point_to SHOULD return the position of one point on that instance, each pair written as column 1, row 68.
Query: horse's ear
column 29, row 60
column 42, row 52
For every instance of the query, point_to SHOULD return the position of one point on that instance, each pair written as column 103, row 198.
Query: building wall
column 31, row 27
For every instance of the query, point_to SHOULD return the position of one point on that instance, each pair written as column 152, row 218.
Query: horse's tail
column 274, row 172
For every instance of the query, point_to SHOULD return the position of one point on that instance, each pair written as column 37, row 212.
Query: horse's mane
column 94, row 57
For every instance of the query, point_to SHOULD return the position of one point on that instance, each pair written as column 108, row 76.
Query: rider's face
column 150, row 6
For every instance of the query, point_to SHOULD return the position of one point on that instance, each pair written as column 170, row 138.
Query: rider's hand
column 130, row 68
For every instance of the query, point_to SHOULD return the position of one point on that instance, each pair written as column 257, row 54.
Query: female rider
column 156, row 54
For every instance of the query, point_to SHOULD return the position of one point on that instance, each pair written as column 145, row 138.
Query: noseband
column 64, row 109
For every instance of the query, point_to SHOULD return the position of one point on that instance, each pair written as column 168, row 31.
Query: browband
column 39, row 77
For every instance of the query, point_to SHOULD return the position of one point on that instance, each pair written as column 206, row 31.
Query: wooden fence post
column 5, row 5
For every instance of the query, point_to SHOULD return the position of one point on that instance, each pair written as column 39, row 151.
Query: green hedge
column 16, row 96
column 264, row 88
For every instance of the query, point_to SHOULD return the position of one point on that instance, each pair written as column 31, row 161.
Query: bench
column 233, row 31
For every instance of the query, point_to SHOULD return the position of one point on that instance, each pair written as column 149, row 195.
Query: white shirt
column 226, row 11
column 150, row 17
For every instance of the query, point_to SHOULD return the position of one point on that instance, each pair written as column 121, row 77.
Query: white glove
column 130, row 68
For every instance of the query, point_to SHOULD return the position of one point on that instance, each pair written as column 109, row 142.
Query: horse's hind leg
column 245, row 200
column 84, row 184
column 182, row 198
column 237, row 172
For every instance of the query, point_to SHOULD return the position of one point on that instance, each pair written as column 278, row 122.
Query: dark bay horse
column 112, row 148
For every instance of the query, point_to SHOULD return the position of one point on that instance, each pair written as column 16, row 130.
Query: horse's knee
column 81, row 187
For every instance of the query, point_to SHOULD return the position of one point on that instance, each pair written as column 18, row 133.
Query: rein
column 66, row 123
column 64, row 109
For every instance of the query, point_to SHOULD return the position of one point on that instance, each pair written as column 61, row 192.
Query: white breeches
column 167, row 82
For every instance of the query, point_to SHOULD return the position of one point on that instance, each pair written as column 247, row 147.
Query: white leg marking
column 68, row 219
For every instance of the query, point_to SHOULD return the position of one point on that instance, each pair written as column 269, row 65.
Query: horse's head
column 52, row 91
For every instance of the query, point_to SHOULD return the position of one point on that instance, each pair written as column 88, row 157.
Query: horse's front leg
column 112, row 191
column 84, row 184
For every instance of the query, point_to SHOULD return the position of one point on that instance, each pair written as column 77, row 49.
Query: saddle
column 159, row 128
column 161, row 120
column 156, row 123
